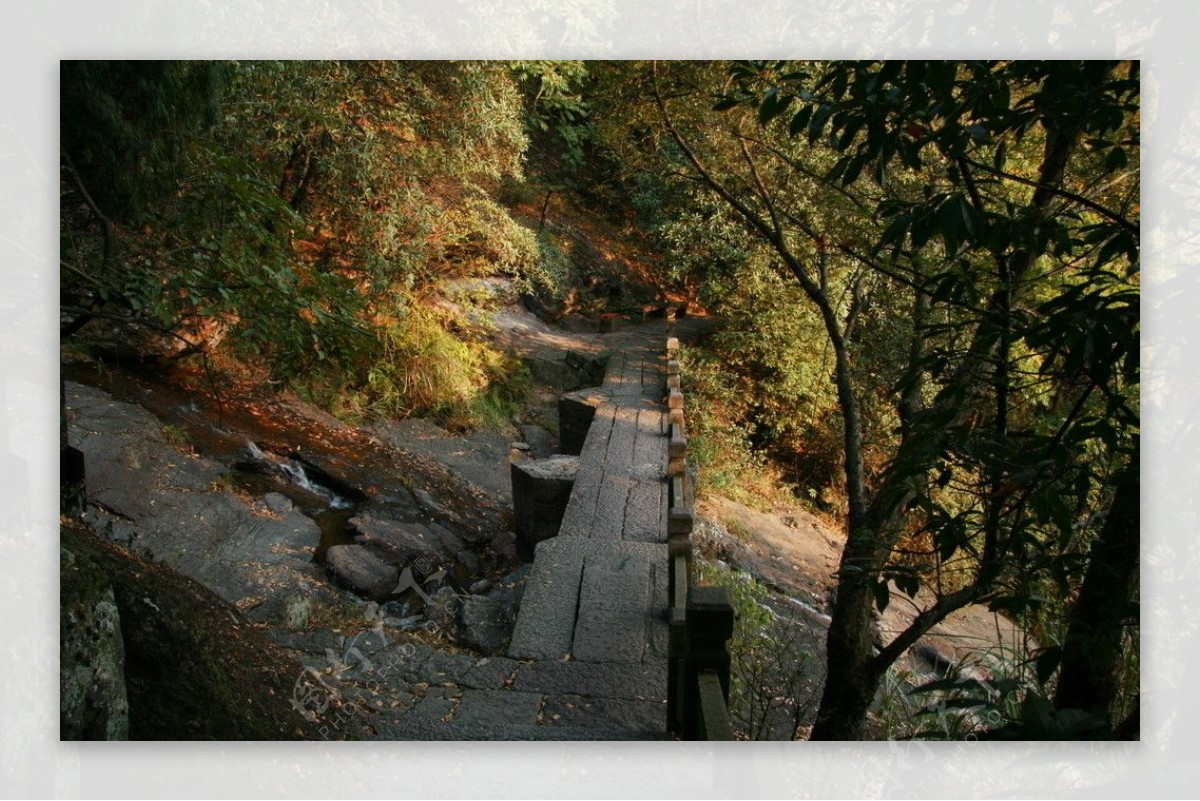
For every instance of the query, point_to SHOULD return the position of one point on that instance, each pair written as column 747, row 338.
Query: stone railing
column 701, row 618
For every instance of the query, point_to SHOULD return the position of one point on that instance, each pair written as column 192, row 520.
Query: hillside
column 312, row 311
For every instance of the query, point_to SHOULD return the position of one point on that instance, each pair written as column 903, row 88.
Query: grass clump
column 431, row 361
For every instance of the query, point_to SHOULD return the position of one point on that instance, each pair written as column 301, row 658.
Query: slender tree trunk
column 545, row 209
column 297, row 175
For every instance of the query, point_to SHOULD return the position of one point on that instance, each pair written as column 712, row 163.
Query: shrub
column 771, row 693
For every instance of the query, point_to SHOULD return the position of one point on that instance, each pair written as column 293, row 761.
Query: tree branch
column 924, row 621
column 1120, row 220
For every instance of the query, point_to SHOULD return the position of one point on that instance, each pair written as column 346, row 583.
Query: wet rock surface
column 356, row 568
column 479, row 457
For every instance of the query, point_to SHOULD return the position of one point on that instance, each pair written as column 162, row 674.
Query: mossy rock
column 93, row 704
column 195, row 669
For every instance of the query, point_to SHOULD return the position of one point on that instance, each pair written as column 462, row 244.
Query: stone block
column 541, row 490
column 575, row 413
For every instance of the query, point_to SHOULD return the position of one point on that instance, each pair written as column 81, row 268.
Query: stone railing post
column 709, row 627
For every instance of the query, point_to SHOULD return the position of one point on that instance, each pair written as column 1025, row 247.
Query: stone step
column 584, row 728
column 620, row 489
column 592, row 600
column 614, row 597
column 641, row 681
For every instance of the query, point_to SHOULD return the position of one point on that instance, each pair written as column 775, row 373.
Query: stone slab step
column 620, row 490
column 566, row 606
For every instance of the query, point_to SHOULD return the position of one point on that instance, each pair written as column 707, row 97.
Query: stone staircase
column 594, row 601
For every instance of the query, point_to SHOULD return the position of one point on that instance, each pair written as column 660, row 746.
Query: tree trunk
column 1092, row 655
column 852, row 677
column 297, row 175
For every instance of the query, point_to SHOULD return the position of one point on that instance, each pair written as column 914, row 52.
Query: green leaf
column 854, row 169
column 1116, row 159
column 800, row 121
column 923, row 226
column 909, row 584
column 849, row 132
column 819, row 118
column 773, row 105
column 1000, row 156
column 979, row 133
column 951, row 684
column 837, row 170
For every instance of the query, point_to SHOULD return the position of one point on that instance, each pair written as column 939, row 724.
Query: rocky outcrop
column 93, row 704
column 192, row 667
column 177, row 507
column 480, row 457
column 395, row 542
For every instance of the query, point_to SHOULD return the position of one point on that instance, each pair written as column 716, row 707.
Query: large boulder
column 93, row 704
column 393, row 541
column 357, row 569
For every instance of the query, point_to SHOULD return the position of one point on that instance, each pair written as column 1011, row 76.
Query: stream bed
column 282, row 457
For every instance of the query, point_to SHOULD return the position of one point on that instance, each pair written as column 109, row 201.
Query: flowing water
column 237, row 439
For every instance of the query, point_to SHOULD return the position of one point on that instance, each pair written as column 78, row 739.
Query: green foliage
column 286, row 222
column 422, row 366
column 124, row 124
column 999, row 694
column 556, row 104
column 769, row 693
column 556, row 273
column 227, row 256
column 477, row 238
column 177, row 437
column 509, row 385
column 719, row 443
column 1000, row 709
